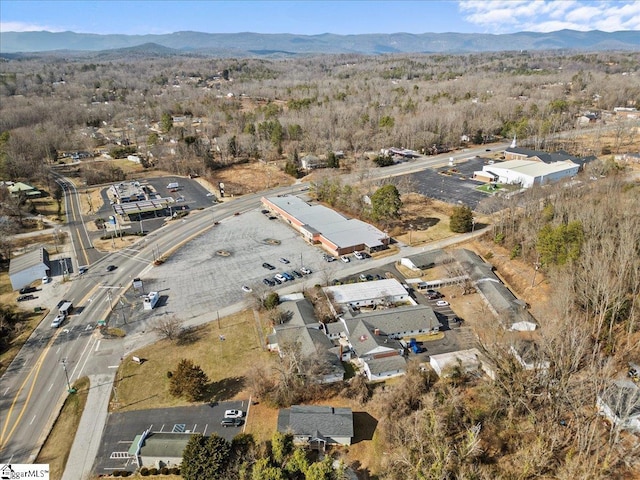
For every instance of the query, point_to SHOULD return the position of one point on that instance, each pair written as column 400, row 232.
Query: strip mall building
column 320, row 225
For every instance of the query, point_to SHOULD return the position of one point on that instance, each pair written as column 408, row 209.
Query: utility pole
column 66, row 375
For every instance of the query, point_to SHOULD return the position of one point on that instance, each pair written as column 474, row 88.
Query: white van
column 173, row 185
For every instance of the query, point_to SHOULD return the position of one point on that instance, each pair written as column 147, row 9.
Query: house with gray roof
column 29, row 267
column 323, row 226
column 620, row 403
column 530, row 355
column 300, row 326
column 317, row 426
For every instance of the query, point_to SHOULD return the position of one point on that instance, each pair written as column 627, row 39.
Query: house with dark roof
column 620, row 403
column 317, row 426
column 29, row 267
column 300, row 326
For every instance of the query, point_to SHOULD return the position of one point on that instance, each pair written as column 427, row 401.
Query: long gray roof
column 509, row 309
column 342, row 231
column 39, row 256
column 312, row 420
column 392, row 321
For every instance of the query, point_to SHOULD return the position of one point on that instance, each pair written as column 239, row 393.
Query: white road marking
column 50, row 388
column 97, row 345
column 5, row 392
column 113, row 366
column 31, row 422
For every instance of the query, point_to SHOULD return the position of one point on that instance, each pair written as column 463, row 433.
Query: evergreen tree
column 188, row 380
column 386, row 203
column 461, row 220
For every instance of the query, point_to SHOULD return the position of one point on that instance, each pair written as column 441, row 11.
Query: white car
column 284, row 260
column 57, row 321
column 233, row 414
column 281, row 277
column 345, row 259
column 246, row 289
column 305, row 271
column 358, row 255
column 442, row 303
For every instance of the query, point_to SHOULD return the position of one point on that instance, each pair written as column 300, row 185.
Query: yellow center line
column 36, row 369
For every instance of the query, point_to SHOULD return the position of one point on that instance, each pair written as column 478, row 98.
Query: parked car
column 268, row 266
column 46, row 280
column 264, row 211
column 328, row 258
column 246, row 289
column 363, row 277
column 233, row 414
column 231, row 422
column 269, row 282
column 281, row 277
column 277, row 280
column 284, row 260
column 358, row 255
column 305, row 271
column 288, row 276
column 442, row 303
column 24, row 298
column 24, row 290
column 296, row 273
column 345, row 259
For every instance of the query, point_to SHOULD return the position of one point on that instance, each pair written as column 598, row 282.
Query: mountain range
column 260, row 44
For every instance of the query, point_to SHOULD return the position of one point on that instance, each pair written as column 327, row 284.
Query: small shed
column 29, row 267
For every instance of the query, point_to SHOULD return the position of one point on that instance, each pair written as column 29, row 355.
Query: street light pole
column 66, row 375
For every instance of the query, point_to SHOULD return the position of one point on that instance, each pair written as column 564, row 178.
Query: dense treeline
column 260, row 109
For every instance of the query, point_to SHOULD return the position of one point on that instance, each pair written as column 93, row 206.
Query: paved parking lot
column 208, row 274
column 452, row 188
column 122, row 428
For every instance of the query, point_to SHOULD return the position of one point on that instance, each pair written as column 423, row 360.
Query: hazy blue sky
column 314, row 17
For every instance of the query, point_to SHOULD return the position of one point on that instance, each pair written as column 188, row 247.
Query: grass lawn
column 57, row 446
column 224, row 361
column 489, row 188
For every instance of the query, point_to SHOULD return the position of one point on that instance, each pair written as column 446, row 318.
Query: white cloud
column 504, row 16
column 26, row 27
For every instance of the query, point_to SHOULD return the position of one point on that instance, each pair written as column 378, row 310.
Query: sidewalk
column 94, row 418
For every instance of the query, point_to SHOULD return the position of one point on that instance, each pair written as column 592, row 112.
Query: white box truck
column 150, row 300
column 65, row 308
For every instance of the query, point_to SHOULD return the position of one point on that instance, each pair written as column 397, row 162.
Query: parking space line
column 204, row 433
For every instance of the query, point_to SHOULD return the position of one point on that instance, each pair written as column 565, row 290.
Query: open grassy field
column 224, row 361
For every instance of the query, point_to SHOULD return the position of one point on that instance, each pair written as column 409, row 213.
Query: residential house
column 300, row 326
column 317, row 426
column 620, row 403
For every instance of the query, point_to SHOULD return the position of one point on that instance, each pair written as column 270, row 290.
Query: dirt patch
column 422, row 220
column 249, row 178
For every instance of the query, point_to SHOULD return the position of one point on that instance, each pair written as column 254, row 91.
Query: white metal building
column 527, row 172
column 370, row 293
